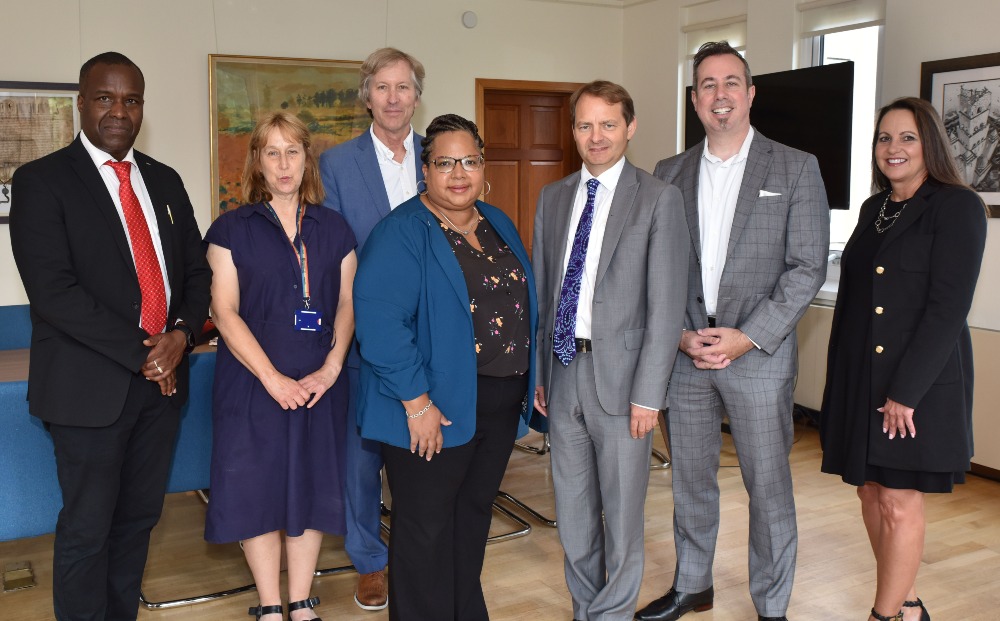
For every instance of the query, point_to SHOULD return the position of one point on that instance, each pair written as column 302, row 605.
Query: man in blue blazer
column 365, row 178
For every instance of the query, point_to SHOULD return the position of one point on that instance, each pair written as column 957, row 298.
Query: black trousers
column 442, row 509
column 113, row 480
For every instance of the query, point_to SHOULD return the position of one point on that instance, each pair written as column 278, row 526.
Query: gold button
column 879, row 269
column 878, row 349
column 878, row 310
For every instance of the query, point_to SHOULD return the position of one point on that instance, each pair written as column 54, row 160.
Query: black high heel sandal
column 896, row 617
column 924, row 616
column 259, row 611
column 312, row 602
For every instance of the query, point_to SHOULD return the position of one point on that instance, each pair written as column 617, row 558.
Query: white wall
column 170, row 41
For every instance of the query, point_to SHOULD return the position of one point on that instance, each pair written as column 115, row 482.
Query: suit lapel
column 417, row 154
column 688, row 184
column 914, row 208
column 558, row 216
column 621, row 206
column 164, row 217
column 758, row 164
column 445, row 256
column 91, row 179
column 367, row 161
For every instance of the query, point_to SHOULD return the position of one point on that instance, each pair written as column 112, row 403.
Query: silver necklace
column 474, row 220
column 880, row 225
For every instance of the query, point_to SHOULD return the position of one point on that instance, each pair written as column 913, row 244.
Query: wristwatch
column 188, row 334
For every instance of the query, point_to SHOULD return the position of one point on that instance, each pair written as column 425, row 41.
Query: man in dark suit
column 365, row 178
column 611, row 267
column 110, row 255
column 759, row 224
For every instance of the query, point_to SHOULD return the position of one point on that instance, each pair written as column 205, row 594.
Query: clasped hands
column 714, row 348
column 292, row 394
column 165, row 352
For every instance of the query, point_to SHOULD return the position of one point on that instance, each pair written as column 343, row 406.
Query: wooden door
column 529, row 143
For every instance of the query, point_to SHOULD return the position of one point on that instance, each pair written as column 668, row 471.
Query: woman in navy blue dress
column 283, row 268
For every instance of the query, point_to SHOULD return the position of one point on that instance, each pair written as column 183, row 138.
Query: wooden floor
column 523, row 578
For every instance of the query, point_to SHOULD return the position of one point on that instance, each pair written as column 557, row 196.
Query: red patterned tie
column 147, row 266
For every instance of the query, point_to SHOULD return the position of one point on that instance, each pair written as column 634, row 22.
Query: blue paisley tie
column 569, row 298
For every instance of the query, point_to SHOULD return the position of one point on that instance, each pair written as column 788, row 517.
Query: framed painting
column 36, row 118
column 242, row 89
column 966, row 92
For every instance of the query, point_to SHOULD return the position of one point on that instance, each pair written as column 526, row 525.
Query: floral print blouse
column 498, row 300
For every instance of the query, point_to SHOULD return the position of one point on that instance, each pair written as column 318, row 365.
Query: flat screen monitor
column 809, row 109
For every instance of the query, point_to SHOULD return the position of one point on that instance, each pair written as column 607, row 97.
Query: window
column 834, row 31
column 860, row 45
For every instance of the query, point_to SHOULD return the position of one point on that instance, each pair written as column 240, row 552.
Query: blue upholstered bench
column 30, row 498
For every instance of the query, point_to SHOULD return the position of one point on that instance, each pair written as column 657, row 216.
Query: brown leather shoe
column 373, row 592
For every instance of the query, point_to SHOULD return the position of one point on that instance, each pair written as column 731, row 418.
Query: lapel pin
column 171, row 214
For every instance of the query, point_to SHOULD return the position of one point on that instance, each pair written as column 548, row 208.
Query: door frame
column 515, row 86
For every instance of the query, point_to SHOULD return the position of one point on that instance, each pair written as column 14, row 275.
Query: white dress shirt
column 718, row 190
column 110, row 179
column 400, row 178
column 602, row 207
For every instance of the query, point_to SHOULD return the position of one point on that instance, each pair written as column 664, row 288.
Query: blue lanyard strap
column 300, row 249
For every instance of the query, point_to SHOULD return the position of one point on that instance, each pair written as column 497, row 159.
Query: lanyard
column 300, row 249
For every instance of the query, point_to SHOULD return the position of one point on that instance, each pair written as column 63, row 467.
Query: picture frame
column 36, row 118
column 323, row 93
column 966, row 93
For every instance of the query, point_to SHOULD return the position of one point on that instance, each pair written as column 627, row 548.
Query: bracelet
column 422, row 411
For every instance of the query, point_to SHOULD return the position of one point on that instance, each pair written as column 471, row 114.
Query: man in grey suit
column 610, row 262
column 759, row 222
column 364, row 179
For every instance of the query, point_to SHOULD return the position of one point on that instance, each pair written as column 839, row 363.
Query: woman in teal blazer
column 446, row 313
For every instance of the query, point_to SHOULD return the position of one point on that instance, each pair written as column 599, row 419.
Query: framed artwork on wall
column 242, row 89
column 966, row 92
column 36, row 118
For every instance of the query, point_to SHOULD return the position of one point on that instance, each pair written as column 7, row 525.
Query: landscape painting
column 242, row 89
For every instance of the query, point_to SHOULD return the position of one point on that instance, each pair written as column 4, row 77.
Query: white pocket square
column 766, row 193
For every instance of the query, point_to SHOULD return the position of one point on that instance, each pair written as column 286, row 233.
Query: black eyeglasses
column 471, row 163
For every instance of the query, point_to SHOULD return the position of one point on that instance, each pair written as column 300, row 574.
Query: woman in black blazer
column 900, row 358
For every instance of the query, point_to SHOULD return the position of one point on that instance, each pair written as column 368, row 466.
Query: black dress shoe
column 763, row 618
column 674, row 604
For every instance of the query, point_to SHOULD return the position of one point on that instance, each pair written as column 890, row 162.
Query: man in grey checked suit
column 759, row 222
column 617, row 236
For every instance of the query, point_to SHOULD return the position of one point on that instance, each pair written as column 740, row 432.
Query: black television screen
column 809, row 109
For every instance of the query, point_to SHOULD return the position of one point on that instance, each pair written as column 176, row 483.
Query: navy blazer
column 353, row 183
column 414, row 324
column 354, row 189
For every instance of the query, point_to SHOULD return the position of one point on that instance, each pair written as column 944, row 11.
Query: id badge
column 308, row 320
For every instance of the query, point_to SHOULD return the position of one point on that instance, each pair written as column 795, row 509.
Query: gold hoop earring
column 488, row 188
column 418, row 187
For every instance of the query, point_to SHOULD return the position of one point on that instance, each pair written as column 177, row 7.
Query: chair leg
column 502, row 495
column 664, row 456
column 524, row 529
column 527, row 448
column 514, row 534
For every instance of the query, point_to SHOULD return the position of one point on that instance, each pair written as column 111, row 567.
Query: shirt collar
column 100, row 157
column 385, row 152
column 609, row 178
column 739, row 157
